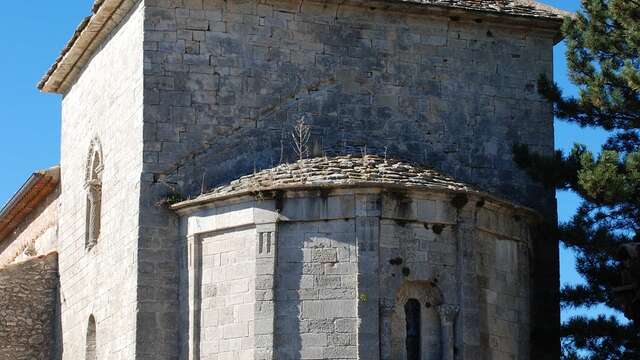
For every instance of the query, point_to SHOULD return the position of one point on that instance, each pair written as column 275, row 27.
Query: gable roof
column 37, row 187
column 107, row 14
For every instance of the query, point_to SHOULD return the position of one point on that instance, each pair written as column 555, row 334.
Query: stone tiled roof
column 528, row 8
column 340, row 171
column 106, row 14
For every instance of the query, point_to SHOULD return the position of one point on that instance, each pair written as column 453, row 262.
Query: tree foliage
column 603, row 55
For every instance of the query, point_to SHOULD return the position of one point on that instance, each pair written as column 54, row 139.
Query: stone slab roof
column 339, row 172
column 342, row 170
column 107, row 14
column 529, row 8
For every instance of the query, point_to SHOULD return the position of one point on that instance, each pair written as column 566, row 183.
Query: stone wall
column 36, row 235
column 503, row 253
column 215, row 97
column 347, row 262
column 28, row 309
column 316, row 293
column 226, row 80
column 228, row 295
column 104, row 103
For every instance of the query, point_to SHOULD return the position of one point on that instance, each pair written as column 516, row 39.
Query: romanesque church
column 290, row 179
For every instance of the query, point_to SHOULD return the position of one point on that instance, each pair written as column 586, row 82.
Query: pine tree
column 603, row 55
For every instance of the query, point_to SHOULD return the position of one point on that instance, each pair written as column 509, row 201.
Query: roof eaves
column 187, row 206
column 37, row 187
column 87, row 37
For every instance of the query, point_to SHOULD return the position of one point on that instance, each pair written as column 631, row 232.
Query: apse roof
column 342, row 170
column 339, row 172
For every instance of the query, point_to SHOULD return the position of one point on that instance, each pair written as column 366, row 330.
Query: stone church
column 280, row 179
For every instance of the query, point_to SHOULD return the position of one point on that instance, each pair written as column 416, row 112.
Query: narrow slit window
column 93, row 188
column 91, row 353
column 412, row 315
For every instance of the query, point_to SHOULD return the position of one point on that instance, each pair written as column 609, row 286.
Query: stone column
column 448, row 314
column 94, row 195
column 194, row 264
column 266, row 256
column 387, row 308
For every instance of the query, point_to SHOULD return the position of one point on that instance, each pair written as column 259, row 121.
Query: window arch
column 416, row 332
column 93, row 188
column 91, row 353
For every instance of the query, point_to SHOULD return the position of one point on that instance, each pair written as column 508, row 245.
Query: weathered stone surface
column 336, row 287
column 106, row 103
column 339, row 171
column 448, row 93
column 186, row 95
column 366, row 80
column 85, row 34
column 29, row 320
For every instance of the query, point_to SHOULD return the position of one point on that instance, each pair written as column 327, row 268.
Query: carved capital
column 448, row 313
column 93, row 185
column 387, row 307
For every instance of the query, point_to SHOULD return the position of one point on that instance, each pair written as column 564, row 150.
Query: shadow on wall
column 268, row 142
column 58, row 345
column 316, row 293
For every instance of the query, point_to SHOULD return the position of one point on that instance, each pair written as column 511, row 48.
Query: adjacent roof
column 338, row 172
column 107, row 14
column 39, row 185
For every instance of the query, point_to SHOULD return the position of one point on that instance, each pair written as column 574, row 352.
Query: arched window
column 414, row 324
column 91, row 353
column 93, row 188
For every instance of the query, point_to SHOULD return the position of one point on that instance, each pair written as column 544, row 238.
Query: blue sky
column 32, row 33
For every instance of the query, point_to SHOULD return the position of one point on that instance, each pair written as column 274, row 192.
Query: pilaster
column 448, row 315
column 264, row 323
column 194, row 261
column 367, row 242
